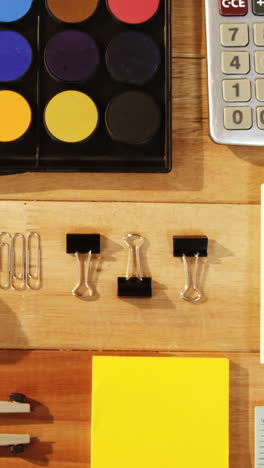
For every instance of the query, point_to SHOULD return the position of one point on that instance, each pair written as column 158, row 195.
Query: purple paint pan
column 72, row 56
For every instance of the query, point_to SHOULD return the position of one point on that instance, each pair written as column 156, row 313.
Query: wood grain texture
column 203, row 171
column 59, row 386
column 227, row 319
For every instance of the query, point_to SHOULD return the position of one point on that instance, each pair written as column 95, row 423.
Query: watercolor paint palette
column 85, row 85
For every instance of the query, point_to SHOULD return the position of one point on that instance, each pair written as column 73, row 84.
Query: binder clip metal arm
column 79, row 244
column 190, row 246
column 134, row 286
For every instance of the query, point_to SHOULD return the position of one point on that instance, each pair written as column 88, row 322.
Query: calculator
column 235, row 60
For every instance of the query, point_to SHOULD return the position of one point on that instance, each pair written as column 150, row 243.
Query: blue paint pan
column 13, row 10
column 15, row 55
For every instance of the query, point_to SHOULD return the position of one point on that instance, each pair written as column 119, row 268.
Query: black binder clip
column 79, row 244
column 190, row 246
column 134, row 286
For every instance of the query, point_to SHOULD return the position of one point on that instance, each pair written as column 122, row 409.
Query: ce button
column 233, row 7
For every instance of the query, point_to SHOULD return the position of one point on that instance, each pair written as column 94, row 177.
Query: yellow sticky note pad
column 162, row 412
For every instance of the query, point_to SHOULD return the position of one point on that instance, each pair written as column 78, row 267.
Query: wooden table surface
column 59, row 386
column 203, row 171
column 212, row 190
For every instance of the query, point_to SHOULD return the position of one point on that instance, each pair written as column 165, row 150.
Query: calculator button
column 259, row 62
column 259, row 34
column 234, row 35
column 260, row 89
column 236, row 90
column 233, row 7
column 260, row 117
column 258, row 7
column 237, row 118
column 235, row 63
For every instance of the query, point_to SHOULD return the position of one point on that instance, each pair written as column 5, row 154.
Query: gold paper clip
column 33, row 274
column 18, row 280
column 5, row 245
